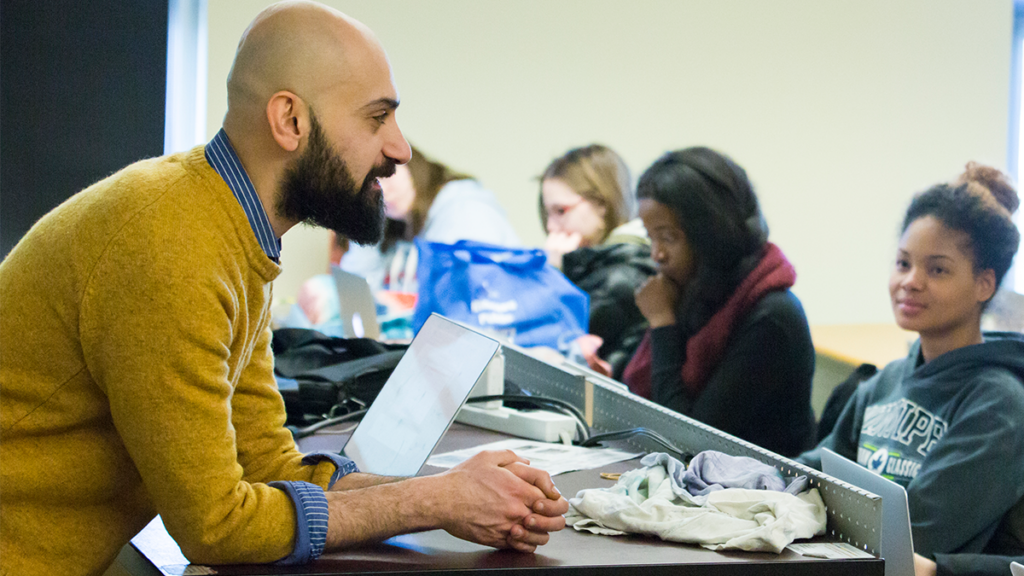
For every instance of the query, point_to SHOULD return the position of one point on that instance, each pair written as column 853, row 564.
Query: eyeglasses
column 560, row 210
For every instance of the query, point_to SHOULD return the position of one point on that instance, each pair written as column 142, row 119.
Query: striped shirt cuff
column 311, row 508
column 343, row 465
column 311, row 521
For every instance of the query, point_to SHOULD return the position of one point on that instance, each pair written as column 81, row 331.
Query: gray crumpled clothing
column 655, row 500
column 711, row 470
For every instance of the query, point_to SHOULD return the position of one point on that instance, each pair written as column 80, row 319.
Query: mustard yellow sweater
column 137, row 378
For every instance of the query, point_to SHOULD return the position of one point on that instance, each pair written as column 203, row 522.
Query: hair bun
column 994, row 181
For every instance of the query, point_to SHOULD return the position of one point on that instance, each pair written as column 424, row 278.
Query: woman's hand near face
column 656, row 298
column 559, row 244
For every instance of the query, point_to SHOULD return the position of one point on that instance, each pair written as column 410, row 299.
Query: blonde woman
column 586, row 207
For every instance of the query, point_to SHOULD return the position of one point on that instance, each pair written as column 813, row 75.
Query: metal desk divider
column 854, row 515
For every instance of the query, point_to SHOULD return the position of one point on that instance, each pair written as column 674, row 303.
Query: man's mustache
column 385, row 170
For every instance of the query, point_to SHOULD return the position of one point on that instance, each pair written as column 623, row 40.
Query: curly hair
column 980, row 203
column 718, row 212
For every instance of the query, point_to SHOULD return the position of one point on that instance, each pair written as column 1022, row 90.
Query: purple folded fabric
column 711, row 470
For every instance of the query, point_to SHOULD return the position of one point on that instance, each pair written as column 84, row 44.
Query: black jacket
column 610, row 274
column 761, row 388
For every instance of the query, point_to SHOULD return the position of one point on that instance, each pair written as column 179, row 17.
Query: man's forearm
column 492, row 499
column 380, row 509
column 358, row 480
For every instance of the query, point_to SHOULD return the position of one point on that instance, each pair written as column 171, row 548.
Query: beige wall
column 839, row 110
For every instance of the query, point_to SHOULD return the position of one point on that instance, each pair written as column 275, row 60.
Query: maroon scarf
column 704, row 349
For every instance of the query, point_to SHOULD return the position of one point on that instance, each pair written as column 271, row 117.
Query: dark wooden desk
column 569, row 553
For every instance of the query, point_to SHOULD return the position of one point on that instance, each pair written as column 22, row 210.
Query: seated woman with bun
column 728, row 342
column 947, row 421
column 586, row 203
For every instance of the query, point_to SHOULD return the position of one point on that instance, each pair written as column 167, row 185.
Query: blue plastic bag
column 511, row 292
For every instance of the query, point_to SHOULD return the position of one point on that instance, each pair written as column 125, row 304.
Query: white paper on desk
column 551, row 458
column 829, row 550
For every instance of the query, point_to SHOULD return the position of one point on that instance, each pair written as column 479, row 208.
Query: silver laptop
column 1017, row 569
column 358, row 310
column 420, row 399
column 897, row 541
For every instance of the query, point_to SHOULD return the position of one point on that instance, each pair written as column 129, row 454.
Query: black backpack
column 332, row 376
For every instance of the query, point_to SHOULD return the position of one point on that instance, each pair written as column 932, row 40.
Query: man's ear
column 985, row 285
column 289, row 123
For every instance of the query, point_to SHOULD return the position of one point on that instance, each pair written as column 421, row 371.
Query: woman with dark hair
column 728, row 342
column 947, row 421
column 586, row 203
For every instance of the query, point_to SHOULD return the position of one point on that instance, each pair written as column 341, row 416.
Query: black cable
column 540, row 401
column 308, row 430
column 646, row 432
column 588, row 440
column 543, row 402
column 530, row 398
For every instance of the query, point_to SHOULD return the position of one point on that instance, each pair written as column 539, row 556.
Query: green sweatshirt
column 952, row 432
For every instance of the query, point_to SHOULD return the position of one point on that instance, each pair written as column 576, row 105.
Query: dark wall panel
column 82, row 90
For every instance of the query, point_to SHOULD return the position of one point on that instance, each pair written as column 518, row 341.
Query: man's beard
column 318, row 189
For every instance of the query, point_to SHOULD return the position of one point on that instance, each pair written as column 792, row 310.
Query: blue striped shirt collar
column 224, row 161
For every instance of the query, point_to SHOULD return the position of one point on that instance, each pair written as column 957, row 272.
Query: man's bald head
column 311, row 116
column 302, row 47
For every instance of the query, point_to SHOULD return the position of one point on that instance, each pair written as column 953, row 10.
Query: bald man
column 135, row 363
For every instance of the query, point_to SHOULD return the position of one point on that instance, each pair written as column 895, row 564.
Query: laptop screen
column 897, row 543
column 357, row 307
column 421, row 398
